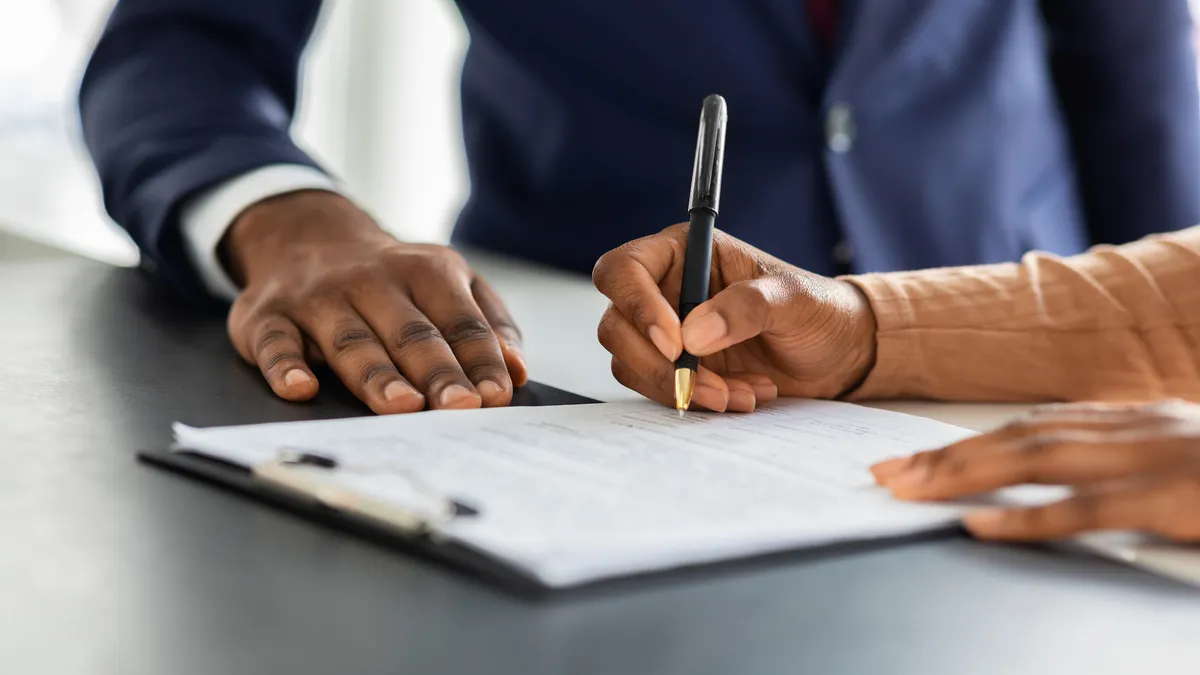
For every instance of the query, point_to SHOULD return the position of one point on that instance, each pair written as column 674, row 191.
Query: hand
column 404, row 326
column 769, row 329
column 1133, row 468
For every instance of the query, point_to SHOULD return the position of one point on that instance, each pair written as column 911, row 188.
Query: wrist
column 273, row 228
column 864, row 341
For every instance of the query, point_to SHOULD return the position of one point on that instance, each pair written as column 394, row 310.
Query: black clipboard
column 471, row 563
column 408, row 537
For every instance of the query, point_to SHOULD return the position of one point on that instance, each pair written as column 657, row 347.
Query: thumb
column 738, row 313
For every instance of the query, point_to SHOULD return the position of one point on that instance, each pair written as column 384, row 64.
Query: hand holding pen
column 769, row 329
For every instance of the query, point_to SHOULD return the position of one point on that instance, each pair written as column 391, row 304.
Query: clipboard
column 291, row 482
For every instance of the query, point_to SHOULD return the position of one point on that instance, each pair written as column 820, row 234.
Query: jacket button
column 839, row 128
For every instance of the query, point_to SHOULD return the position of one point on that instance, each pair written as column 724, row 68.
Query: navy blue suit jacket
column 963, row 131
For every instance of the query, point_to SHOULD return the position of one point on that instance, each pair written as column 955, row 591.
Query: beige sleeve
column 1115, row 323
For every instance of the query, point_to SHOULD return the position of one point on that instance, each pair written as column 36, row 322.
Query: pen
column 702, row 216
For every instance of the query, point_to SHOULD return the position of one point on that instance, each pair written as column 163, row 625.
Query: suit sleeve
column 180, row 95
column 1125, row 73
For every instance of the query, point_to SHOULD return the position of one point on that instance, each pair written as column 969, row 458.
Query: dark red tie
column 823, row 14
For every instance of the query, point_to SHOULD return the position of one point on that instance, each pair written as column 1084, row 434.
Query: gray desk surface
column 109, row 566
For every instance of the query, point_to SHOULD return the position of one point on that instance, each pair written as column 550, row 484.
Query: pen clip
column 710, row 155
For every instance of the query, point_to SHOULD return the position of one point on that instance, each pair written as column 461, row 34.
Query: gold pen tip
column 685, row 384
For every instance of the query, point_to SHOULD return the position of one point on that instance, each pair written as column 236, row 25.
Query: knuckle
column 1024, row 424
column 350, row 337
column 238, row 316
column 1025, row 427
column 478, row 371
column 1034, row 456
column 373, row 369
column 318, row 291
column 435, row 261
column 601, row 270
column 623, row 374
column 509, row 329
column 270, row 338
column 952, row 468
column 761, row 294
column 441, row 372
column 413, row 335
column 466, row 330
column 679, row 231
column 1040, row 444
column 250, row 311
column 358, row 276
column 607, row 273
column 279, row 358
column 606, row 331
column 451, row 257
column 927, row 460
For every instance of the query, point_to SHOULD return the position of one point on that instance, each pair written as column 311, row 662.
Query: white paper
column 576, row 493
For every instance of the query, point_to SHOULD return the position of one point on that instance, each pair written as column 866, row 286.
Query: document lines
column 567, row 495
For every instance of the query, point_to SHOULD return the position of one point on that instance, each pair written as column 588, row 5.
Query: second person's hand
column 404, row 326
column 1131, row 467
column 769, row 329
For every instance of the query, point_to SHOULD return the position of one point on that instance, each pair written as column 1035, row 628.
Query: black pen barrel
column 697, row 263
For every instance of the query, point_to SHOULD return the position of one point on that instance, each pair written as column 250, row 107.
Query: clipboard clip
column 302, row 472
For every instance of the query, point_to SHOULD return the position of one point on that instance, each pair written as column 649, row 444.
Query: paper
column 576, row 493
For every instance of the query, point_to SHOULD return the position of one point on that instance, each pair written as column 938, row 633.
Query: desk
column 109, row 566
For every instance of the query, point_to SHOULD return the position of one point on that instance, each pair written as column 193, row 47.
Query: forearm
column 1113, row 323
column 181, row 95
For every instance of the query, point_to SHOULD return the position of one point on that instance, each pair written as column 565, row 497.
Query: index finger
column 629, row 276
column 1061, row 458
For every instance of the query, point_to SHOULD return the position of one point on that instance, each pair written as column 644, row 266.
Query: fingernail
column 296, row 376
column 984, row 518
column 710, row 397
column 454, row 394
column 489, row 389
column 741, row 401
column 700, row 333
column 659, row 337
column 397, row 390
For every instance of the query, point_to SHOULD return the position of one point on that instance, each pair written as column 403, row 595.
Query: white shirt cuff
column 205, row 217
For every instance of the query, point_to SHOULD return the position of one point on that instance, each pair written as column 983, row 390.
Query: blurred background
column 369, row 57
column 370, row 61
